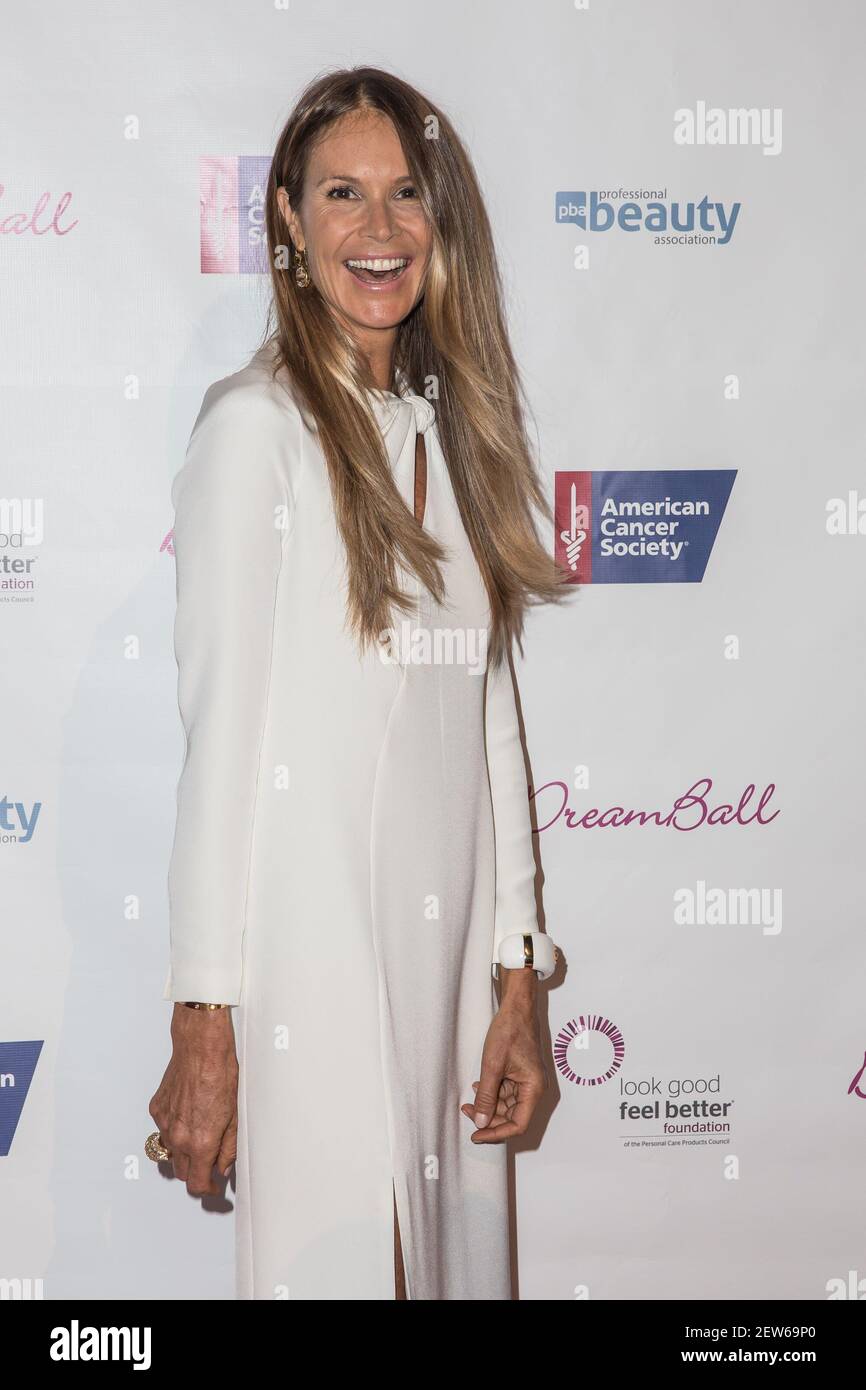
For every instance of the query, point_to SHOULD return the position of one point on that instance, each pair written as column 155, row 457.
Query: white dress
column 334, row 872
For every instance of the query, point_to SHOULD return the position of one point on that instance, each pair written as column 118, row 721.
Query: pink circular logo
column 588, row 1023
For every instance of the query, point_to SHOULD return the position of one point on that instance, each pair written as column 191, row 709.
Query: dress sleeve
column 515, row 909
column 232, row 503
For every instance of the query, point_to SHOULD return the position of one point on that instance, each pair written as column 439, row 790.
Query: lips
column 375, row 272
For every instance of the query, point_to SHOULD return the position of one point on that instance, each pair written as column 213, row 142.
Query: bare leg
column 399, row 1272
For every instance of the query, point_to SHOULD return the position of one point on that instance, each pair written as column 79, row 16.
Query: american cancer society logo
column 232, row 199
column 642, row 527
column 17, row 1065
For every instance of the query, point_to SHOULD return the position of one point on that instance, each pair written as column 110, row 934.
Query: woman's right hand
column 196, row 1105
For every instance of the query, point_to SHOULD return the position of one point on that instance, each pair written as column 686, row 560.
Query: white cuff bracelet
column 529, row 951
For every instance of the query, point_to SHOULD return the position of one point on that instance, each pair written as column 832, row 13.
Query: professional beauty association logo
column 642, row 527
column 18, row 821
column 577, row 1037
column 674, row 223
column 17, row 1065
column 232, row 198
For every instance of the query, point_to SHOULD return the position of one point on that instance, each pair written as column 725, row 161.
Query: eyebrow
column 355, row 178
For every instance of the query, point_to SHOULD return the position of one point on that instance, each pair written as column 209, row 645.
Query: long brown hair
column 452, row 347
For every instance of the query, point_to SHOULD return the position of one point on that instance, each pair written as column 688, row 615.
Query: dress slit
column 404, row 1224
column 399, row 1261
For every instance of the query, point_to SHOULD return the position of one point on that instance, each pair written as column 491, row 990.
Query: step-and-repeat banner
column 675, row 193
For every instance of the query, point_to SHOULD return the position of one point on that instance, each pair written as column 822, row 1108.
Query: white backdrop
column 723, row 964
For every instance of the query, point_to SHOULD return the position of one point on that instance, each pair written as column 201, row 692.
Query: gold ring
column 155, row 1149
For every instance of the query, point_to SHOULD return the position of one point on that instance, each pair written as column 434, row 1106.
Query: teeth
column 379, row 263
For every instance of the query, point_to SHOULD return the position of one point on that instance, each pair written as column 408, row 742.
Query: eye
column 338, row 190
column 410, row 189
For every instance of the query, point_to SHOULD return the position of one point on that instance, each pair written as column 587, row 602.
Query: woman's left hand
column 513, row 1078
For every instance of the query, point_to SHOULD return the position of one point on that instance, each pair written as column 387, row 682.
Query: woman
column 352, row 566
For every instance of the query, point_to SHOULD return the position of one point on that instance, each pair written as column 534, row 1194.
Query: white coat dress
column 352, row 841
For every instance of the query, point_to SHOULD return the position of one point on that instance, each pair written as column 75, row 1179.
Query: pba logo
column 577, row 1036
column 639, row 528
column 17, row 1065
column 232, row 197
column 634, row 209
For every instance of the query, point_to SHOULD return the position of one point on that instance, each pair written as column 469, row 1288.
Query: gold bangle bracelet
column 190, row 1004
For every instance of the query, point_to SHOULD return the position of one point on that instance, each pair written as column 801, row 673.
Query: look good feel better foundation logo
column 411, row 644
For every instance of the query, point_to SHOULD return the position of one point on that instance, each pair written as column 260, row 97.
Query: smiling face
column 367, row 240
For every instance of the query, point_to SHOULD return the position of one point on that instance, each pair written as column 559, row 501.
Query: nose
column 381, row 219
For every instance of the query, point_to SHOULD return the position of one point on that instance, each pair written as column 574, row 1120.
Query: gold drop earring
column 302, row 270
